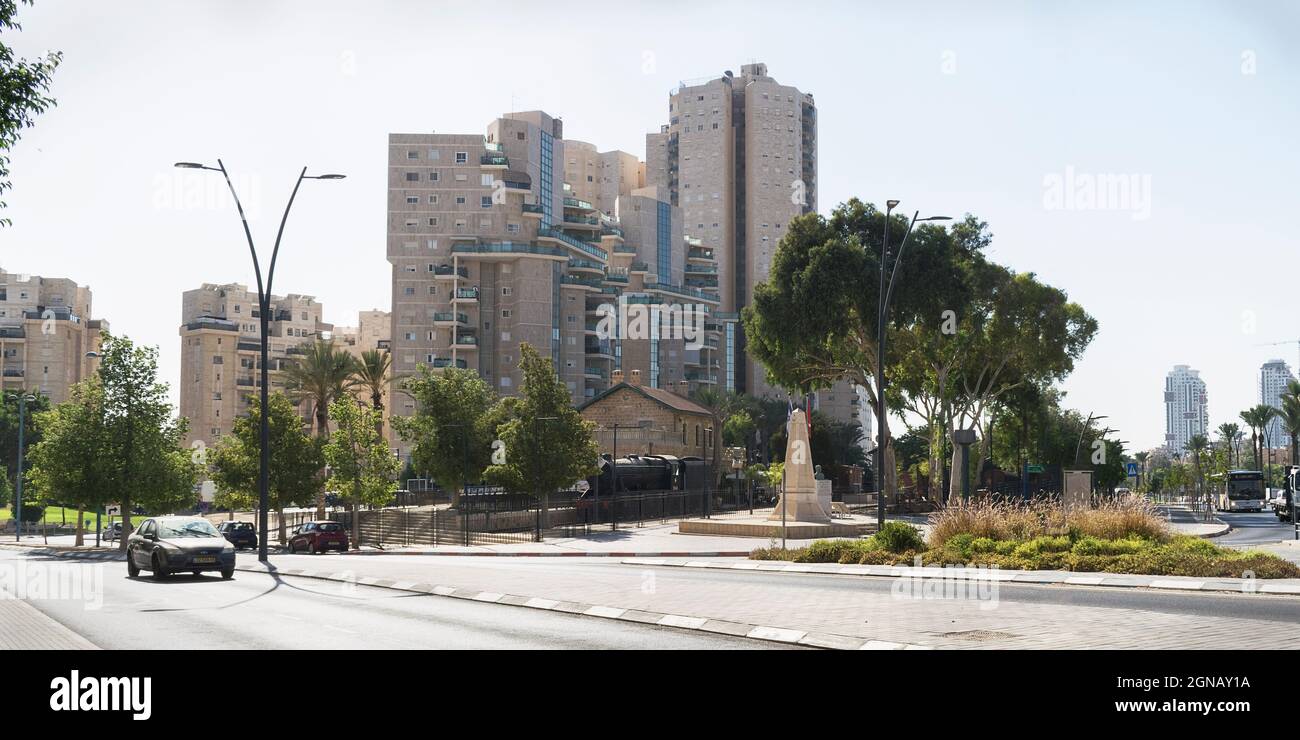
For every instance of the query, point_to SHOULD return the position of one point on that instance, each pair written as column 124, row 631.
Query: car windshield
column 243, row 527
column 330, row 527
column 171, row 528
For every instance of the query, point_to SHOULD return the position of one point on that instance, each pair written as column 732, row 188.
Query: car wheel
column 292, row 549
column 227, row 574
column 132, row 570
column 159, row 570
column 197, row 573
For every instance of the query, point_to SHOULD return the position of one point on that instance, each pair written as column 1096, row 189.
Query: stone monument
column 799, row 502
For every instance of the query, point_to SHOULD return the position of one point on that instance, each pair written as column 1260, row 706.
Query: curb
column 1246, row 586
column 782, row 635
column 580, row 554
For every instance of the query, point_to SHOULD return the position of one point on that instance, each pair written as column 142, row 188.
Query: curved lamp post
column 882, row 310
column 264, row 310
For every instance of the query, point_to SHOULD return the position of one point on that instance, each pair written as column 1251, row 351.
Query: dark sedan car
column 172, row 544
column 318, row 537
column 240, row 534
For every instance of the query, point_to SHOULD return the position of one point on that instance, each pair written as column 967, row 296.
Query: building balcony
column 450, row 318
column 582, row 266
column 593, row 283
column 245, row 382
column 465, row 295
column 13, row 372
column 595, row 372
column 464, row 341
column 624, row 249
column 578, row 205
column 449, row 272
column 573, row 243
column 702, row 269
column 494, row 161
column 533, row 210
column 508, row 248
column 12, row 332
column 699, row 254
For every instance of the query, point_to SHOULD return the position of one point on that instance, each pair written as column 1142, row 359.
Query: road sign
column 1033, row 468
column 113, row 510
column 1131, row 469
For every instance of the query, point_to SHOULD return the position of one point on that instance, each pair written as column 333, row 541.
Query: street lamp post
column 22, row 399
column 882, row 309
column 264, row 310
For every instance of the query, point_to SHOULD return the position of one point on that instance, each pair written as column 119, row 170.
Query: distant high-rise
column 1273, row 378
column 739, row 157
column 1186, row 410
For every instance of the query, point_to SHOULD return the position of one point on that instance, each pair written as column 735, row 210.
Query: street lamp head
column 935, row 218
column 93, row 354
column 192, row 166
column 332, row 176
column 891, row 204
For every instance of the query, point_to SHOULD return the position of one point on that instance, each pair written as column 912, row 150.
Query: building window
column 412, row 155
column 412, row 177
column 485, row 201
column 462, row 157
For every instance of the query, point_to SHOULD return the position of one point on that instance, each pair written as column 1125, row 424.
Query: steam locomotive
column 638, row 473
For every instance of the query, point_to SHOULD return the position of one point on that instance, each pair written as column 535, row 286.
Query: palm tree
column 371, row 374
column 1290, row 416
column 323, row 374
column 1142, row 458
column 1257, row 417
column 1197, row 445
column 1227, row 433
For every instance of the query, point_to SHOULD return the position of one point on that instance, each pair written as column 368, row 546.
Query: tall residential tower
column 1186, row 410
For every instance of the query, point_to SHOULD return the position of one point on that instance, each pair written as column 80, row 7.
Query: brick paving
column 24, row 627
column 772, row 600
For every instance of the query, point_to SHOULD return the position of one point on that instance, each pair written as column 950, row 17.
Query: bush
column 1089, row 545
column 899, row 537
column 1124, row 517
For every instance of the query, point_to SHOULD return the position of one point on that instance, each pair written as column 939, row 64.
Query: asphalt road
column 258, row 611
column 1253, row 529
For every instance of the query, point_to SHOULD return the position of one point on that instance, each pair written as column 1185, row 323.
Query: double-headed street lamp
column 22, row 398
column 264, row 311
column 882, row 310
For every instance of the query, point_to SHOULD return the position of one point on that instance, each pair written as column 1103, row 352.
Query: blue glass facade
column 663, row 232
column 546, row 172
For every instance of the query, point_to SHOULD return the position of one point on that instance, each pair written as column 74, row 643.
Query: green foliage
column 362, row 467
column 899, row 537
column 24, row 93
column 9, row 413
column 320, row 375
column 69, row 464
column 547, row 444
column 452, row 427
column 738, row 429
column 296, row 459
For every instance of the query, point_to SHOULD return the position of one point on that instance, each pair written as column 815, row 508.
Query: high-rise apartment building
column 46, row 330
column 518, row 235
column 1186, row 409
column 739, row 157
column 221, row 349
column 1273, row 378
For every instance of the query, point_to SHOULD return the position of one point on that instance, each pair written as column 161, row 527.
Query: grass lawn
column 59, row 514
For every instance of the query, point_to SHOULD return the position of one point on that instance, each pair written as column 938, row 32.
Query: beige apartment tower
column 739, row 158
column 221, row 350
column 46, row 331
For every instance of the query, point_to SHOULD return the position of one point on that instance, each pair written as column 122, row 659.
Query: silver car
column 175, row 544
column 111, row 532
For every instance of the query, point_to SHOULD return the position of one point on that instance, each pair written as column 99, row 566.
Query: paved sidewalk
column 1282, row 586
column 805, row 610
column 24, row 627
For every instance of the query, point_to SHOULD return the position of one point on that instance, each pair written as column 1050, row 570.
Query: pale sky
column 1007, row 110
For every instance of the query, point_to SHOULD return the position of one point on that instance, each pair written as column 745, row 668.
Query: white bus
column 1243, row 490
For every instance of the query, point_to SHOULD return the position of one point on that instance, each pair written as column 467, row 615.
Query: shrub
column 899, row 537
column 1042, row 544
column 826, row 551
column 1089, row 545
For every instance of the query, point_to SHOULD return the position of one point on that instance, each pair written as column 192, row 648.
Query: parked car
column 239, row 534
column 318, row 537
column 111, row 532
column 166, row 545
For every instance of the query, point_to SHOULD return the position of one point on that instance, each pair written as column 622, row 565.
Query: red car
column 318, row 537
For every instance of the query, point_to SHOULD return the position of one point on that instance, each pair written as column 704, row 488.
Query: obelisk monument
column 799, row 501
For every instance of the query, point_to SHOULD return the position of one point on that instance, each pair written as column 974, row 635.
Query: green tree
column 1228, row 433
column 296, row 461
column 738, row 429
column 322, row 374
column 1290, row 417
column 152, row 469
column 548, row 445
column 24, row 93
column 1197, row 446
column 9, row 413
column 450, row 428
column 362, row 467
column 68, row 464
